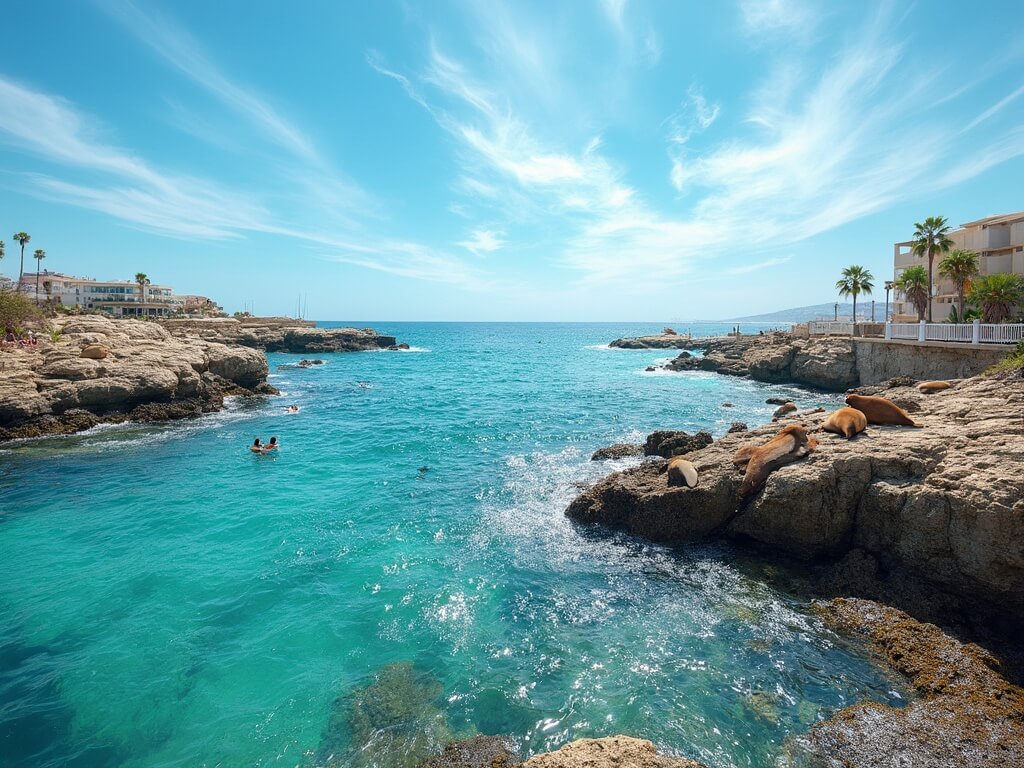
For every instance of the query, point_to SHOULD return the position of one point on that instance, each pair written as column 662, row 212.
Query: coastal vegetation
column 855, row 280
column 998, row 296
column 22, row 238
column 142, row 280
column 39, row 255
column 15, row 309
column 960, row 266
column 931, row 237
column 914, row 283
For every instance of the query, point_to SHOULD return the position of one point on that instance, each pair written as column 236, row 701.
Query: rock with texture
column 967, row 715
column 675, row 442
column 662, row 341
column 477, row 752
column 945, row 502
column 143, row 374
column 279, row 334
column 610, row 752
column 617, row 451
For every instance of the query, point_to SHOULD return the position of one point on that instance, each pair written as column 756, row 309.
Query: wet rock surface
column 276, row 334
column 674, row 442
column 945, row 502
column 617, row 451
column 967, row 715
column 478, row 752
column 610, row 752
column 134, row 370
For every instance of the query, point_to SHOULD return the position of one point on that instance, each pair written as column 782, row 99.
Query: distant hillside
column 803, row 314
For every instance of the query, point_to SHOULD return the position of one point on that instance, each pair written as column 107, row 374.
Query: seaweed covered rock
column 610, row 752
column 477, row 752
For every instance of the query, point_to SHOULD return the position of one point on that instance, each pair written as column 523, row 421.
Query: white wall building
column 118, row 297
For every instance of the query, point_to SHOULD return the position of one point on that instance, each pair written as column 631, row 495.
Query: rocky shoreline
column 100, row 370
column 280, row 334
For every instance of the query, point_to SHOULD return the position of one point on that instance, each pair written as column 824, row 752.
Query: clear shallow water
column 168, row 599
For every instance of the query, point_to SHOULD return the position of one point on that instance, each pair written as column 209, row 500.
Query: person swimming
column 273, row 445
column 292, row 409
column 257, row 446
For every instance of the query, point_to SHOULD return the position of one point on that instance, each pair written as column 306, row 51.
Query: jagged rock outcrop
column 944, row 502
column 143, row 374
column 276, row 334
column 675, row 442
column 660, row 341
column 617, row 451
column 967, row 714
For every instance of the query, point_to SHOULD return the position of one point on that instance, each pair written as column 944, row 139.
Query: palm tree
column 143, row 281
column 913, row 284
column 889, row 285
column 855, row 281
column 39, row 255
column 930, row 238
column 959, row 266
column 997, row 295
column 22, row 237
column 2, row 252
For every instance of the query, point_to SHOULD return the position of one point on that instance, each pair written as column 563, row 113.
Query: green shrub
column 16, row 309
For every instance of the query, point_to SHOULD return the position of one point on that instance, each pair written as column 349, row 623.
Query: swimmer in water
column 292, row 409
column 257, row 446
column 273, row 445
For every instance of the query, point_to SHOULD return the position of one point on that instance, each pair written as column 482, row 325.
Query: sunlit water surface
column 169, row 599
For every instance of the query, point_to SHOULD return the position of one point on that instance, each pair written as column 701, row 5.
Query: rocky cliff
column 106, row 370
column 944, row 502
column 280, row 335
column 660, row 341
column 834, row 363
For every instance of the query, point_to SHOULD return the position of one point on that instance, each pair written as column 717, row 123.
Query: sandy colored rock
column 610, row 752
column 945, row 501
column 131, row 369
column 94, row 352
column 280, row 334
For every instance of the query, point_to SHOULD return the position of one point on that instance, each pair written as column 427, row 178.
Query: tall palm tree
column 22, row 237
column 143, row 281
column 39, row 255
column 889, row 285
column 997, row 295
column 959, row 266
column 913, row 284
column 2, row 252
column 855, row 281
column 930, row 238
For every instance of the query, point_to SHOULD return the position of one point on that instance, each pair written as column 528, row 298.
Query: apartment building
column 119, row 298
column 999, row 242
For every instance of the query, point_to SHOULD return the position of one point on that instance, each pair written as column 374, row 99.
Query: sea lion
column 880, row 411
column 846, row 422
column 682, row 472
column 783, row 409
column 930, row 387
column 791, row 443
column 743, row 454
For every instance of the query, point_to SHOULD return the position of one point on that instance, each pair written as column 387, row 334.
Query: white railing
column 969, row 333
column 829, row 328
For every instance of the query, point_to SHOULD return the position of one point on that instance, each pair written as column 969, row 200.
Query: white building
column 119, row 298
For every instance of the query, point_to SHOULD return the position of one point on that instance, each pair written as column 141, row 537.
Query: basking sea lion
column 846, row 422
column 682, row 472
column 791, row 443
column 783, row 409
column 880, row 411
column 930, row 387
column 743, row 454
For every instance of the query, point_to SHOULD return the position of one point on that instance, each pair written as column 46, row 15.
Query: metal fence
column 968, row 333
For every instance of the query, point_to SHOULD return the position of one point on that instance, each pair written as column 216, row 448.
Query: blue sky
column 616, row 160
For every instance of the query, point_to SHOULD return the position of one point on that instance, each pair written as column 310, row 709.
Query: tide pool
column 169, row 599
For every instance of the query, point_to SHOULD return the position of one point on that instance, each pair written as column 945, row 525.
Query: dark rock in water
column 669, row 443
column 728, row 405
column 309, row 363
column 396, row 721
column 478, row 752
column 737, row 426
column 650, row 368
column 967, row 713
column 783, row 409
column 397, row 347
column 617, row 451
column 776, row 401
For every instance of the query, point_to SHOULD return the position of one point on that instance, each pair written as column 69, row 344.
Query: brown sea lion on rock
column 743, row 454
column 681, row 472
column 846, row 422
column 930, row 387
column 791, row 443
column 880, row 411
column 783, row 409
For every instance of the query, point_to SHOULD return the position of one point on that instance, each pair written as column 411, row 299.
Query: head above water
column 256, row 442
column 273, row 441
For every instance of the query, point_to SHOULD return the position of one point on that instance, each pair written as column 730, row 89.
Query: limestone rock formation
column 617, row 451
column 945, row 502
column 280, row 334
column 477, row 752
column 102, row 369
column 662, row 341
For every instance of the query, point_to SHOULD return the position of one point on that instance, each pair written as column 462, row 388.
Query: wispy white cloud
column 483, row 241
column 757, row 266
column 796, row 18
column 180, row 49
column 693, row 116
column 999, row 105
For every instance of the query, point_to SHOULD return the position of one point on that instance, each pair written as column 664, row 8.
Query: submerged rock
column 478, row 752
column 396, row 721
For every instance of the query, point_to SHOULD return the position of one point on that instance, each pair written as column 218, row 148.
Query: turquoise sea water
column 169, row 599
